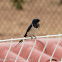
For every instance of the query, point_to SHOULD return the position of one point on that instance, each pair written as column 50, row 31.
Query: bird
column 32, row 29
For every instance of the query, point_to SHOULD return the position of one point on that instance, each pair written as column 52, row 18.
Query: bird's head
column 35, row 23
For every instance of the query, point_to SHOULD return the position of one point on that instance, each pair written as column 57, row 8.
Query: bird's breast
column 32, row 31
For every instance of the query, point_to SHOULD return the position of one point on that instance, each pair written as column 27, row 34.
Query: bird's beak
column 38, row 24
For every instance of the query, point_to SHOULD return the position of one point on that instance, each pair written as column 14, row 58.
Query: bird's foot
column 34, row 36
column 31, row 37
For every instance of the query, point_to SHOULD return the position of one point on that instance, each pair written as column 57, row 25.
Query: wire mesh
column 19, row 51
column 55, row 48
column 31, row 51
column 43, row 50
column 47, row 36
column 8, row 52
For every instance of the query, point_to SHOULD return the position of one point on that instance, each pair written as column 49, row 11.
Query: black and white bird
column 32, row 29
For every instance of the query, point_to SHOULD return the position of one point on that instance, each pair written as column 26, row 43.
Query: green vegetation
column 18, row 4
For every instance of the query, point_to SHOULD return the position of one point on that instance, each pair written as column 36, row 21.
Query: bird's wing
column 25, row 34
column 28, row 30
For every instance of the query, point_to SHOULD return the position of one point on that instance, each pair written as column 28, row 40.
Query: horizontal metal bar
column 30, row 37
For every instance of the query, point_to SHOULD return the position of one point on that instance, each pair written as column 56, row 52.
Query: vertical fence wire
column 31, row 51
column 19, row 51
column 43, row 50
column 61, row 59
column 55, row 49
column 8, row 52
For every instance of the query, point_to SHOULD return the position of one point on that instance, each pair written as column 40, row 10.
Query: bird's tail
column 19, row 43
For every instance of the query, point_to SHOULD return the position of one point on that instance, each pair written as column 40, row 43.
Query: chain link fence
column 14, row 22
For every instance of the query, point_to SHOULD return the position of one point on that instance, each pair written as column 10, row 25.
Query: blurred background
column 17, row 15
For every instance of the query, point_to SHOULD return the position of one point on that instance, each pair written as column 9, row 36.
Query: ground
column 14, row 23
